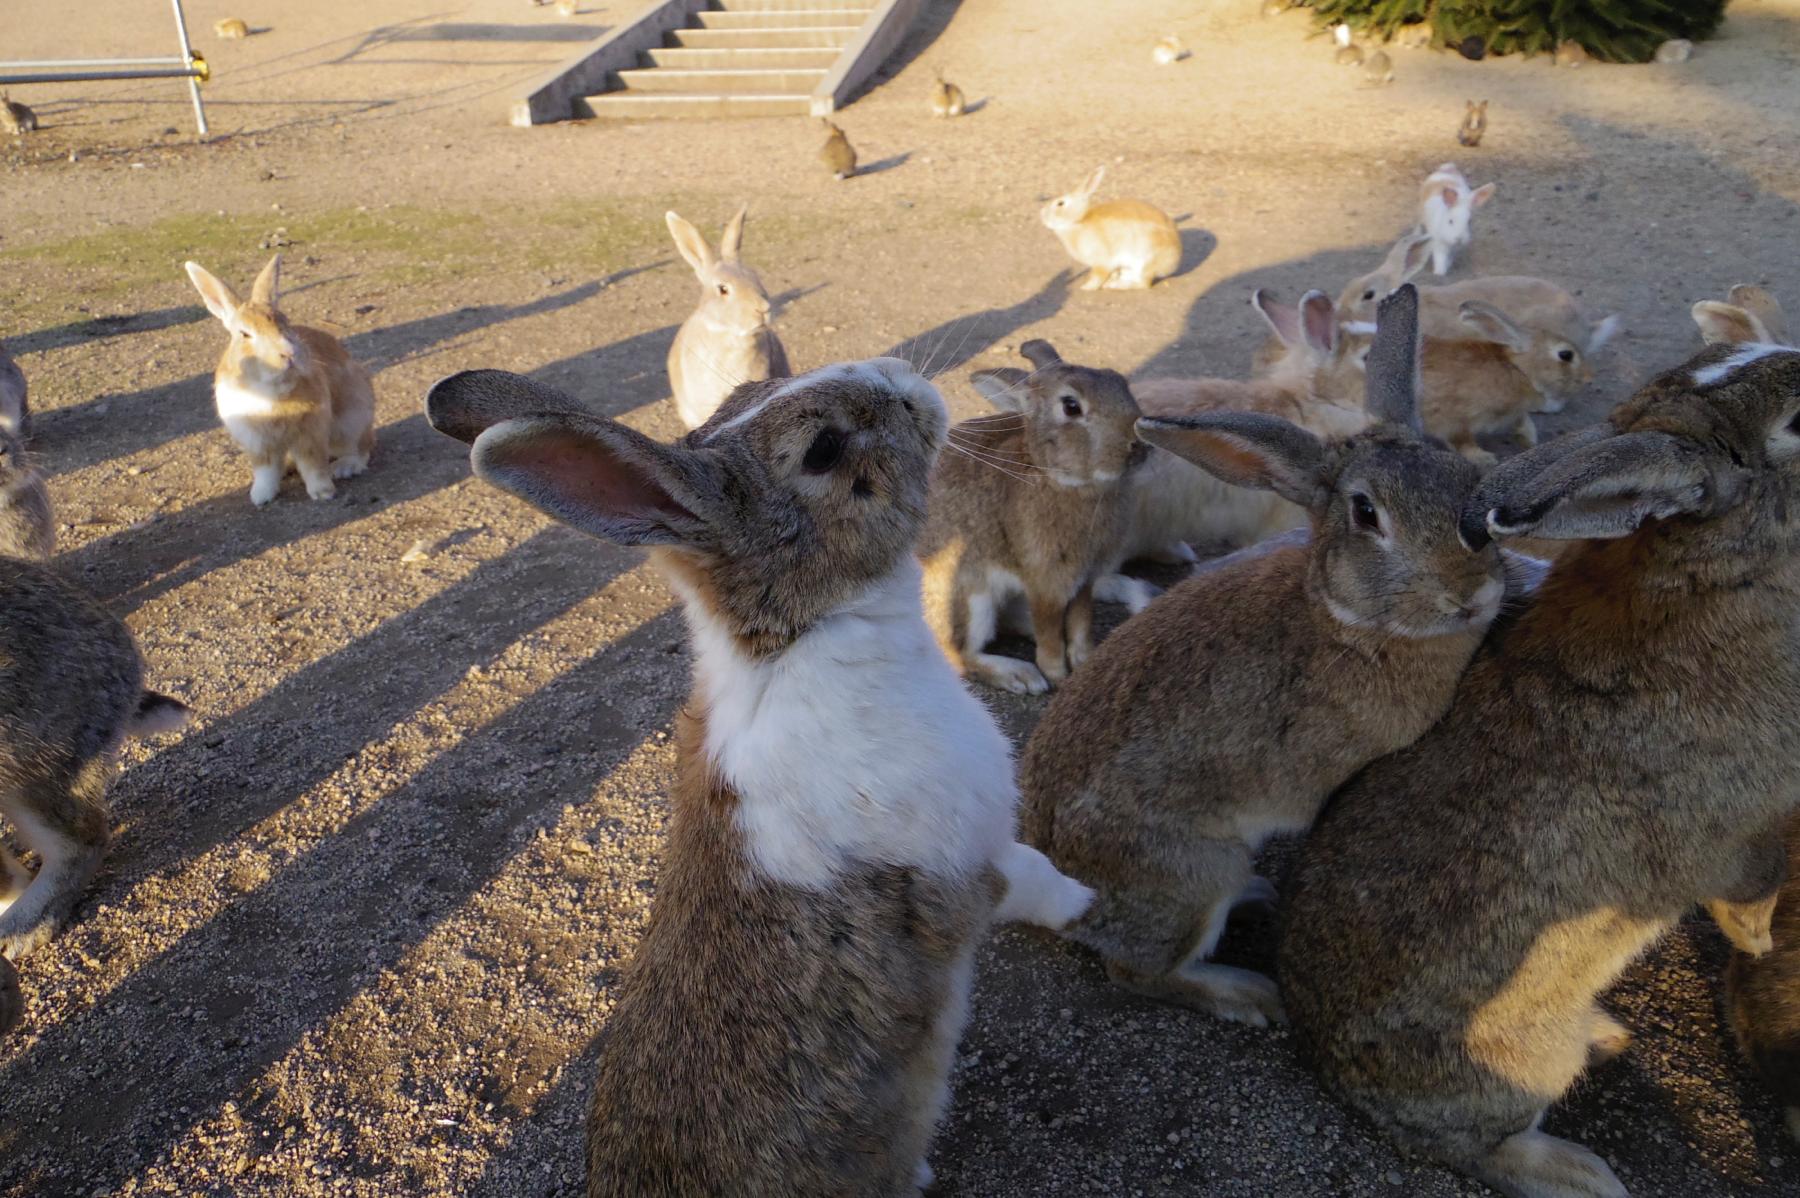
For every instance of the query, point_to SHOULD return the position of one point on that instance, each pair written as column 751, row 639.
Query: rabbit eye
column 244, row 333
column 1565, row 355
column 724, row 290
column 1794, row 425
column 1071, row 407
column 824, row 452
column 1369, row 295
column 1362, row 511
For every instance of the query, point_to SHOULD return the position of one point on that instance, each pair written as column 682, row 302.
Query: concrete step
column 828, row 36
column 792, row 5
column 810, row 19
column 631, row 105
column 794, row 82
column 752, row 58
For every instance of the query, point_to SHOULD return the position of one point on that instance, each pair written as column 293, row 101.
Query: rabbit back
column 1125, row 235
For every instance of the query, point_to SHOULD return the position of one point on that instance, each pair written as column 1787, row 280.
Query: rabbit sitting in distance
column 841, row 826
column 1231, row 708
column 727, row 340
column 1125, row 244
column 1619, row 752
column 288, row 394
column 1447, row 206
column 1027, row 512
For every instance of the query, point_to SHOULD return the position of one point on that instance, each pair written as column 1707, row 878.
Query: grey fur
column 1392, row 391
column 1237, row 702
column 27, row 526
column 1619, row 753
column 15, row 409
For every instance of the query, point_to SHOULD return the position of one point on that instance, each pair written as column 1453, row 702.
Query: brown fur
column 742, row 1017
column 838, row 155
column 1612, row 758
column 1763, row 994
column 1474, row 124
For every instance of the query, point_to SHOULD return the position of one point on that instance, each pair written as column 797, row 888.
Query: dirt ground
column 360, row 925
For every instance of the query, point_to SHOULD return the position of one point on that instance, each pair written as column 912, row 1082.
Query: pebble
column 418, row 553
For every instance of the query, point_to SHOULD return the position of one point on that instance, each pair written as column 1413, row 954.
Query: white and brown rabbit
column 71, row 691
column 27, row 527
column 1125, row 244
column 1762, row 992
column 1751, row 313
column 288, row 394
column 1447, row 207
column 1620, row 752
column 15, row 408
column 1026, row 513
column 727, row 340
column 841, row 825
column 1229, row 710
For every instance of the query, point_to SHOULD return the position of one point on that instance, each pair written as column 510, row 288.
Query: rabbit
column 841, row 824
column 1025, row 515
column 71, row 691
column 15, row 408
column 727, row 340
column 1762, row 992
column 1176, row 503
column 16, row 118
column 1167, row 51
column 1618, row 751
column 27, row 528
column 838, row 155
column 1231, row 708
column 287, row 393
column 1752, row 314
column 946, row 98
column 230, row 28
column 1474, row 124
column 1571, row 54
column 1676, row 49
column 1378, row 69
column 568, row 8
column 1446, row 211
column 1348, row 53
column 1125, row 244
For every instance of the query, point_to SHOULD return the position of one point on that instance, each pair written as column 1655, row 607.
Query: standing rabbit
column 71, row 690
column 1752, row 313
column 1447, row 207
column 1231, row 708
column 838, row 155
column 841, row 826
column 27, row 528
column 1125, row 244
column 16, row 118
column 1474, row 124
column 1620, row 752
column 1025, row 514
column 15, row 411
column 1762, row 993
column 727, row 340
column 288, row 394
column 946, row 98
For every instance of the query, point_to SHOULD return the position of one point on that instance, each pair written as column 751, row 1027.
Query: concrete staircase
column 740, row 58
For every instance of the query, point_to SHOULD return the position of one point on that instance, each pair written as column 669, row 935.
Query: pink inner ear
column 587, row 475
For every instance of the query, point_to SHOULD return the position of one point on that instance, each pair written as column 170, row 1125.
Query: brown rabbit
column 1474, row 124
column 838, row 155
column 1620, row 752
column 840, row 831
column 287, row 394
column 1026, row 512
column 1763, row 994
column 1236, row 703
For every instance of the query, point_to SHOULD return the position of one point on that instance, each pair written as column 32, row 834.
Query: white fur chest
column 246, row 408
column 859, row 744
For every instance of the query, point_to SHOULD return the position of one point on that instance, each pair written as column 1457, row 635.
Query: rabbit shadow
column 884, row 164
column 957, row 341
column 96, row 328
column 1197, row 245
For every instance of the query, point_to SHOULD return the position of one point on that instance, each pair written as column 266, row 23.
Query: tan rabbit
column 841, row 825
column 27, row 528
column 946, row 98
column 838, row 155
column 728, row 339
column 287, row 394
column 1752, row 314
column 1619, row 752
column 1176, row 504
column 230, row 28
column 1762, row 993
column 1026, row 513
column 1125, row 244
column 1167, row 51
column 1474, row 124
column 16, row 118
column 1230, row 709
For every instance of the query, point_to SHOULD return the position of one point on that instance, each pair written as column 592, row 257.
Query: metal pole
column 48, row 63
column 187, row 57
column 81, row 76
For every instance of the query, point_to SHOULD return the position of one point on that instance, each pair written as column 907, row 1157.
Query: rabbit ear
column 467, row 404
column 1284, row 319
column 1318, row 321
column 596, row 475
column 1246, row 449
column 1722, row 323
column 1762, row 304
column 1493, row 324
column 1092, row 183
column 1601, row 489
column 219, row 299
column 1408, row 257
column 268, row 281
column 1482, row 194
column 1392, row 367
column 733, row 239
column 1604, row 330
column 692, row 245
column 1040, row 353
column 1005, row 387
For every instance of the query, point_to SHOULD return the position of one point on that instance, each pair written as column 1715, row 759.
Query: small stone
column 1394, row 1178
column 1676, row 49
column 418, row 553
column 581, row 848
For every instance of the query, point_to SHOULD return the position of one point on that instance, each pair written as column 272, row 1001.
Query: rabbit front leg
column 315, row 470
column 1081, row 625
column 68, row 828
column 1096, row 278
column 1526, row 431
column 1048, row 615
column 1745, row 906
column 266, row 469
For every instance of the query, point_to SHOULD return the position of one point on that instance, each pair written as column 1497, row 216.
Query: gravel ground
column 361, row 923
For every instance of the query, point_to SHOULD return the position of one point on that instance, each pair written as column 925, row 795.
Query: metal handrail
column 189, row 65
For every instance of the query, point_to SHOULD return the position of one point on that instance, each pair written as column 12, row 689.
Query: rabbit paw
column 1746, row 925
column 349, row 467
column 1054, row 669
column 1095, row 280
column 923, row 1176
column 1134, row 593
column 1480, row 456
column 16, row 945
column 265, row 484
column 1011, row 674
column 1607, row 1038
